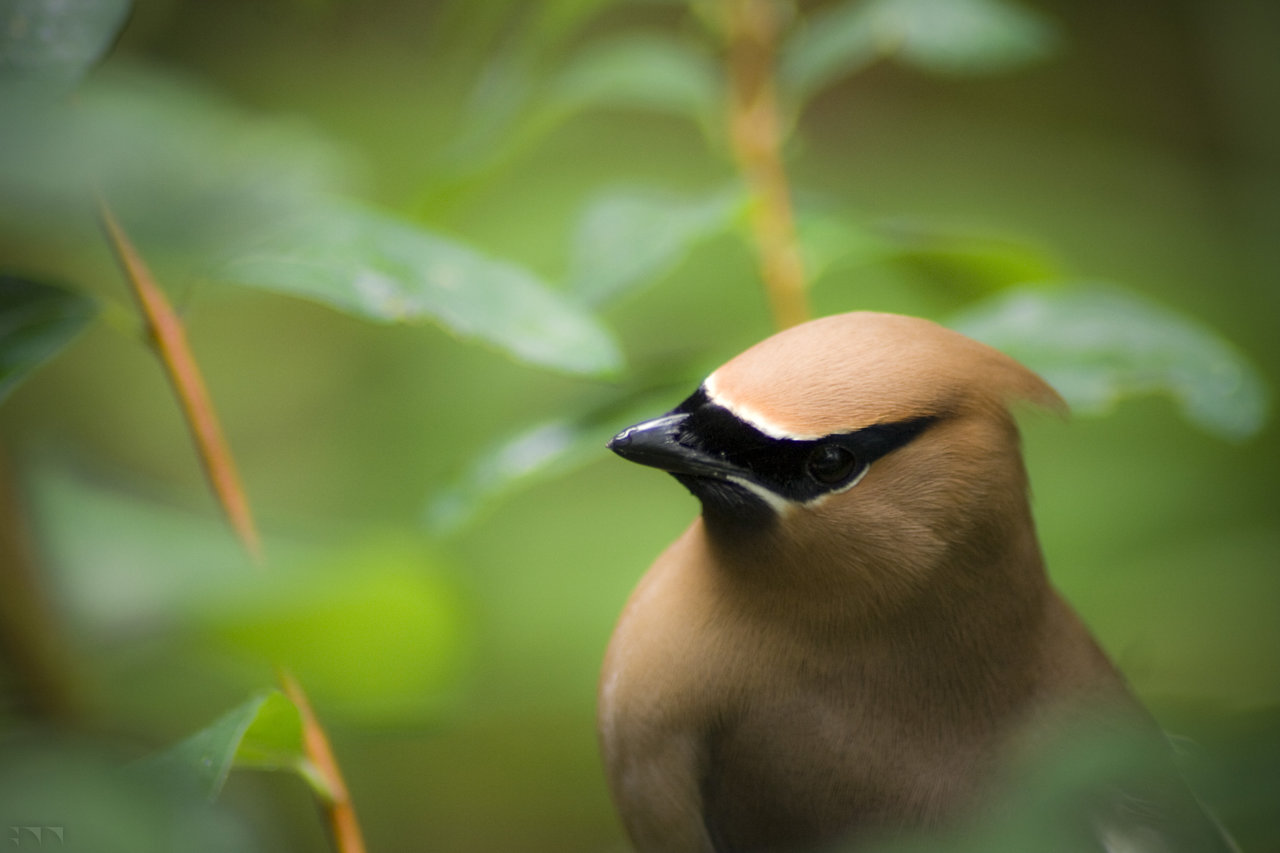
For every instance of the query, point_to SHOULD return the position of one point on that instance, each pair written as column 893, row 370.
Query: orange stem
column 756, row 135
column 339, row 808
column 170, row 340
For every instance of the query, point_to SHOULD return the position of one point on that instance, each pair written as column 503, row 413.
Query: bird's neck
column 981, row 601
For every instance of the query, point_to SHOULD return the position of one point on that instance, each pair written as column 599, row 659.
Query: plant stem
column 756, row 135
column 35, row 653
column 169, row 338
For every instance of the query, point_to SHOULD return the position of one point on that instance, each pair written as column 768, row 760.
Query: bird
column 856, row 637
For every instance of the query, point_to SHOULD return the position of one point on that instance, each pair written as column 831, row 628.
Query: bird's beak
column 665, row 443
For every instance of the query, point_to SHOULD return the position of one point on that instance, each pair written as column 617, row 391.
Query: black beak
column 667, row 444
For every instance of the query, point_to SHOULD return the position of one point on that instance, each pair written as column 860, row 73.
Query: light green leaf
column 829, row 44
column 962, row 261
column 646, row 71
column 534, row 455
column 56, row 41
column 375, row 631
column 382, row 268
column 273, row 740
column 1098, row 344
column 939, row 36
column 205, row 757
column 36, row 322
column 627, row 238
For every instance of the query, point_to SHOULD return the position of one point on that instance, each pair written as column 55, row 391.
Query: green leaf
column 273, row 740
column 939, row 36
column 646, row 71
column 205, row 758
column 536, row 454
column 382, row 268
column 182, row 168
column 56, row 41
column 262, row 733
column 375, row 630
column 65, row 792
column 961, row 261
column 36, row 322
column 829, row 44
column 627, row 238
column 1098, row 344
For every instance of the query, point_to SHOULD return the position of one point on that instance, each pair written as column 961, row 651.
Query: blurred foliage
column 447, row 550
column 36, row 322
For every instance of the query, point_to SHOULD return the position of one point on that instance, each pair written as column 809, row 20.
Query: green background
column 1145, row 152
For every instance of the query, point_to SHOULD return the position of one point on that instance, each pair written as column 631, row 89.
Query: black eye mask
column 793, row 469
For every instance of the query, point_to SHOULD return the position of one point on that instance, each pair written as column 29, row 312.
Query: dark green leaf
column 36, row 322
column 382, row 268
column 648, row 71
column 70, row 793
column 940, row 36
column 205, row 757
column 56, row 41
column 628, row 238
column 1097, row 345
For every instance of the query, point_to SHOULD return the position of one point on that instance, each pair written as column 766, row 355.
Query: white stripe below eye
column 750, row 416
column 780, row 505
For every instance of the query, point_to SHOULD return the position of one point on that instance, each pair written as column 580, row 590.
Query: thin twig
column 170, row 340
column 339, row 809
column 756, row 134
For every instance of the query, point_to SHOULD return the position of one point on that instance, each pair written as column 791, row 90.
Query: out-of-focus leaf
column 56, row 41
column 533, row 455
column 79, row 796
column 273, row 740
column 967, row 262
column 374, row 631
column 376, row 266
column 829, row 44
column 978, row 263
column 647, row 71
column 262, row 733
column 205, row 758
column 36, row 322
column 940, row 36
column 1097, row 345
column 182, row 168
column 627, row 238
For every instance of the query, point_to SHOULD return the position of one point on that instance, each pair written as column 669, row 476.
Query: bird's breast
column 808, row 766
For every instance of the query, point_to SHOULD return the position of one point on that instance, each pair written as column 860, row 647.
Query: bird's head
column 875, row 434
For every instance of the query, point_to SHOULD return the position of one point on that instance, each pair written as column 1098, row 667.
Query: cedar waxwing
column 857, row 635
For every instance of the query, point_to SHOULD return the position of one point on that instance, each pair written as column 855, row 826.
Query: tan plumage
column 858, row 661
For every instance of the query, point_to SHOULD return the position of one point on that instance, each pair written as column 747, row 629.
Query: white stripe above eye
column 750, row 416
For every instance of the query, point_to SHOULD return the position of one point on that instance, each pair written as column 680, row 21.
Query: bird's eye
column 830, row 464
